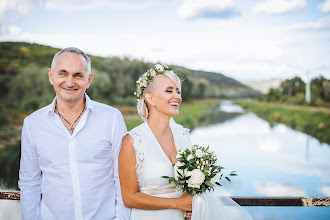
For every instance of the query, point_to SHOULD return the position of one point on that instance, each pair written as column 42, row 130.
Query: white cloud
column 271, row 7
column 81, row 5
column 13, row 9
column 191, row 9
column 325, row 6
column 321, row 25
column 278, row 189
column 325, row 190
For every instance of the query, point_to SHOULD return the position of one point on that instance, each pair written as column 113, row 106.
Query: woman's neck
column 159, row 125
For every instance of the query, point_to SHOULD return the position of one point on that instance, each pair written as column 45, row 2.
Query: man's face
column 69, row 77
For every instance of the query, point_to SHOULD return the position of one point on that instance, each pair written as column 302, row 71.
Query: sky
column 242, row 39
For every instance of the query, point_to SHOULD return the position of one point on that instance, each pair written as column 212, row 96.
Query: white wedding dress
column 152, row 163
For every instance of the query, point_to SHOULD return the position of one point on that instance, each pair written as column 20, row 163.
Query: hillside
column 24, row 82
column 263, row 85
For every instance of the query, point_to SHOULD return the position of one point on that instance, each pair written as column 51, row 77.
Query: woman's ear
column 149, row 99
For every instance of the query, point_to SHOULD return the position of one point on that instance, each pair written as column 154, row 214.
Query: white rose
column 176, row 170
column 199, row 153
column 216, row 178
column 190, row 157
column 197, row 177
column 159, row 68
column 144, row 84
column 153, row 73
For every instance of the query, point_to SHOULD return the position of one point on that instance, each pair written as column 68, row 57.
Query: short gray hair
column 76, row 51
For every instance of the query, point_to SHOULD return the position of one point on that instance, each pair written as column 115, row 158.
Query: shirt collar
column 51, row 107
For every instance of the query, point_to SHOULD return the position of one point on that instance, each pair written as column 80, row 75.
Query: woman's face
column 165, row 95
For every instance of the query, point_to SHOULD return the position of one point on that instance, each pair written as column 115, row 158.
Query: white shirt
column 77, row 174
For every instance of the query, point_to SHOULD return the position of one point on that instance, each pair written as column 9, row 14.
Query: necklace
column 72, row 128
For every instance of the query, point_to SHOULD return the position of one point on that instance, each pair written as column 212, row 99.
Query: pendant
column 72, row 129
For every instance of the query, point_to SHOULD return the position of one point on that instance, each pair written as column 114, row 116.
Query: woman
column 149, row 150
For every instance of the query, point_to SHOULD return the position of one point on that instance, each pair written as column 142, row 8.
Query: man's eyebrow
column 62, row 70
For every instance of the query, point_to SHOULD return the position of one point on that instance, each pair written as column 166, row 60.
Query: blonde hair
column 142, row 107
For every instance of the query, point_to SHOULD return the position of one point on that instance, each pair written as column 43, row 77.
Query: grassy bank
column 192, row 113
column 310, row 120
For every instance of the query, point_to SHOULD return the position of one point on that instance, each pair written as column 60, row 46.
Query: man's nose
column 70, row 82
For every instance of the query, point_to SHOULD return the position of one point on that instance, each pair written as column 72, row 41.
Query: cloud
column 325, row 190
column 278, row 189
column 192, row 9
column 14, row 9
column 321, row 25
column 10, row 31
column 82, row 5
column 325, row 6
column 271, row 7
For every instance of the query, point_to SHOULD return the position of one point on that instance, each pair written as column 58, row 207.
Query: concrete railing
column 243, row 201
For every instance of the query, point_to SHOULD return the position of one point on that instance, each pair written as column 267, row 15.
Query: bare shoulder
column 127, row 146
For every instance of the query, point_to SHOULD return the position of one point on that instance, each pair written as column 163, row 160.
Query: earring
column 153, row 105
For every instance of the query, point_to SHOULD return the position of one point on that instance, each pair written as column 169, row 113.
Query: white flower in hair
column 147, row 77
column 159, row 68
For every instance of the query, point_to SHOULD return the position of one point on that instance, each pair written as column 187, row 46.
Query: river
column 270, row 161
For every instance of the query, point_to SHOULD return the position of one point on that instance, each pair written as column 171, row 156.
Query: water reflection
column 270, row 161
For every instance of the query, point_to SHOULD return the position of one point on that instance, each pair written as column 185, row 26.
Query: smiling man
column 69, row 149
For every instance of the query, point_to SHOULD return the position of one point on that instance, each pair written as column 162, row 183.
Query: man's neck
column 70, row 109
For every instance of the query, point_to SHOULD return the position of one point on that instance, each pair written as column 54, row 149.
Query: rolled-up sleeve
column 29, row 176
column 119, row 130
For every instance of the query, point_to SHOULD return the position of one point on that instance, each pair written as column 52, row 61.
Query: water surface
column 270, row 161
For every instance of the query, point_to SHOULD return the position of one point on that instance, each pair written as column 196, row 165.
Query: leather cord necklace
column 72, row 128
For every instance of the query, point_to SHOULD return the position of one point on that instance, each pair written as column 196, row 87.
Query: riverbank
column 310, row 120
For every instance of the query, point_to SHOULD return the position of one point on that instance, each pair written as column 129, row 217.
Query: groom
column 69, row 150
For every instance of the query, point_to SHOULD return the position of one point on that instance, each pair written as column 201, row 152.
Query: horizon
column 245, row 40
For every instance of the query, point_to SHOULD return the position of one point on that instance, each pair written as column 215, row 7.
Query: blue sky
column 243, row 39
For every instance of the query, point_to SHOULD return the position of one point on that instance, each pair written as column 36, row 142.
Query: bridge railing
column 241, row 200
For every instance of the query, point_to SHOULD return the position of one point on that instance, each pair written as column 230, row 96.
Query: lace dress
column 151, row 164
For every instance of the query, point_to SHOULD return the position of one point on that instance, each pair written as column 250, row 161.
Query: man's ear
column 90, row 78
column 50, row 76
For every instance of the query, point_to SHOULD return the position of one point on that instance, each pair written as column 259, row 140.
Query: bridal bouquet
column 197, row 171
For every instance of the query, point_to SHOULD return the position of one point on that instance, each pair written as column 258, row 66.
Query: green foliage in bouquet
column 197, row 171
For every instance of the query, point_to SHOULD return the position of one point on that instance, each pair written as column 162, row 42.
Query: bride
column 149, row 150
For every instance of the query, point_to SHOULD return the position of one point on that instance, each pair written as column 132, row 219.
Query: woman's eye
column 168, row 90
column 179, row 92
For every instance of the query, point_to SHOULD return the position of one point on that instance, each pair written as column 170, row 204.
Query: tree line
column 293, row 91
column 24, row 84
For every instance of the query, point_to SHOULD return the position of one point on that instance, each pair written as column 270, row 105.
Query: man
column 69, row 150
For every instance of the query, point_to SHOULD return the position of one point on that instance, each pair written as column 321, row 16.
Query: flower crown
column 147, row 77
